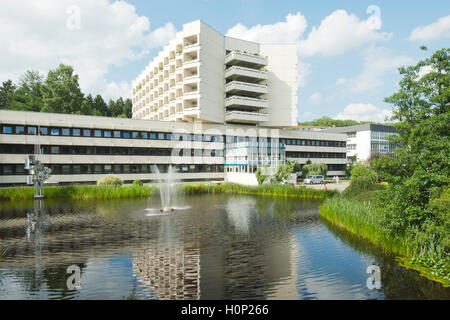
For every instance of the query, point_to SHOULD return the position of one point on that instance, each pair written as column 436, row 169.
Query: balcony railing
column 246, row 72
column 250, row 58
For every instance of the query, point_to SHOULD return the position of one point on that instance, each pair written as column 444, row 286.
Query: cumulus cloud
column 434, row 31
column 340, row 32
column 378, row 61
column 363, row 112
column 91, row 36
column 315, row 98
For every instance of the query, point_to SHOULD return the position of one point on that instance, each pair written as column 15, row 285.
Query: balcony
column 237, row 73
column 252, row 88
column 247, row 102
column 245, row 117
column 245, row 59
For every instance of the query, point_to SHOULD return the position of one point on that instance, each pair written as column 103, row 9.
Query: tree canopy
column 59, row 93
column 329, row 122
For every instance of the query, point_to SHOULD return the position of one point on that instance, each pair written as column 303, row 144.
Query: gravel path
column 341, row 186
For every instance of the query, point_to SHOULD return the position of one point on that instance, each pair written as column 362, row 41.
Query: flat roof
column 362, row 127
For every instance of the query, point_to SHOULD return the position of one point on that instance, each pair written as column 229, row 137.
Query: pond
column 220, row 247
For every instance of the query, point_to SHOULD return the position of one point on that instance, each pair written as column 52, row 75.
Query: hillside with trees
column 59, row 92
column 329, row 122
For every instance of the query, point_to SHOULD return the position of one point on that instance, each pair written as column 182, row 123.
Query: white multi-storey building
column 206, row 76
column 366, row 140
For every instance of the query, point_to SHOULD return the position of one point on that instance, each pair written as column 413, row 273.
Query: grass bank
column 362, row 218
column 79, row 192
column 264, row 190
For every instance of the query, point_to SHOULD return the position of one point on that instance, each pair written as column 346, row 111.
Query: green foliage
column 386, row 168
column 314, row 169
column 422, row 161
column 282, row 172
column 363, row 178
column 329, row 122
column 264, row 190
column 60, row 93
column 138, row 182
column 350, row 165
column 261, row 174
column 110, row 180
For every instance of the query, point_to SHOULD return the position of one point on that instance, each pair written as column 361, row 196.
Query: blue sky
column 346, row 65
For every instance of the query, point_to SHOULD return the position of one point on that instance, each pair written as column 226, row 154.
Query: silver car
column 314, row 179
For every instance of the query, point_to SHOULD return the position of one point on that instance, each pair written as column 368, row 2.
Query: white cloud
column 378, row 62
column 340, row 32
column 436, row 30
column 289, row 31
column 35, row 35
column 363, row 112
column 315, row 98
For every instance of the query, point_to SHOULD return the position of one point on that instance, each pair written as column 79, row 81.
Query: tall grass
column 265, row 190
column 80, row 192
column 365, row 221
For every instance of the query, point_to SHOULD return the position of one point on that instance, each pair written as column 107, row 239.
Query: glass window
column 54, row 132
column 144, row 168
column 117, row 134
column 135, row 135
column 126, row 135
column 98, row 168
column 31, row 130
column 144, row 135
column 7, row 129
column 66, row 169
column 20, row 169
column 168, row 136
column 76, row 132
column 107, row 134
column 54, row 149
column 66, row 132
column 86, row 133
column 20, row 130
column 108, row 168
column 161, row 136
column 7, row 168
column 76, row 169
column 43, row 131
column 152, row 135
column 97, row 133
column 126, row 168
column 117, row 168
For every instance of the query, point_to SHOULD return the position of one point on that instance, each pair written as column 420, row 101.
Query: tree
column 62, row 93
column 262, row 174
column 422, row 109
column 315, row 169
column 7, row 94
column 363, row 177
column 128, row 108
column 30, row 91
column 350, row 165
column 282, row 172
column 87, row 107
column 100, row 106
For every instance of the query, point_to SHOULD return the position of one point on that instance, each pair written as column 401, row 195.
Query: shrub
column 363, row 178
column 110, row 180
column 138, row 182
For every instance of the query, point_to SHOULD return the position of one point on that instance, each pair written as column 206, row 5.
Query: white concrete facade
column 202, row 75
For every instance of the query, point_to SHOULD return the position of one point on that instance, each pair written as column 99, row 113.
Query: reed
column 264, row 190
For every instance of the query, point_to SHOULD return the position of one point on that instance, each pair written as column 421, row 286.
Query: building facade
column 84, row 149
column 366, row 140
column 202, row 75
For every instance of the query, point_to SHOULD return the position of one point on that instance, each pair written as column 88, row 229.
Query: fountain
column 167, row 194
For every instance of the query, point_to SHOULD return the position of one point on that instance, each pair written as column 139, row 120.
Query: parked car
column 314, row 179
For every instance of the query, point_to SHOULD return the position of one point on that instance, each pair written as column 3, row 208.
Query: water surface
column 223, row 247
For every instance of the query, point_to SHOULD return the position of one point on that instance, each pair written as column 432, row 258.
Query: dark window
column 66, row 169
column 20, row 130
column 117, row 168
column 76, row 169
column 153, row 136
column 98, row 168
column 144, row 135
column 161, row 136
column 43, row 131
column 97, row 133
column 7, row 130
column 135, row 135
column 76, row 132
column 168, row 136
column 31, row 130
column 126, row 168
column 66, row 132
column 7, row 168
column 86, row 133
column 54, row 149
column 126, row 135
column 20, row 169
column 108, row 168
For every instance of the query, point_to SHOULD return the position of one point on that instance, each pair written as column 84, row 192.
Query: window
column 31, row 130
column 54, row 149
column 86, row 133
column 126, row 168
column 108, row 168
column 161, row 136
column 76, row 169
column 7, row 130
column 66, row 169
column 117, row 168
column 54, row 132
column 153, row 136
column 98, row 168
column 126, row 135
column 97, row 133
column 76, row 132
column 66, row 132
column 116, row 134
column 20, row 130
column 8, row 169
column 43, row 131
column 107, row 134
column 20, row 169
column 168, row 136
column 135, row 135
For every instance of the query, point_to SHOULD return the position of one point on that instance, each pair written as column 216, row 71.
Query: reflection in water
column 223, row 247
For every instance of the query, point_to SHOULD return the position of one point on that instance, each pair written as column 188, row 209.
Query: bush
column 363, row 178
column 110, row 180
column 138, row 182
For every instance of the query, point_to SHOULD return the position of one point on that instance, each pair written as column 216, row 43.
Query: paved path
column 341, row 186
